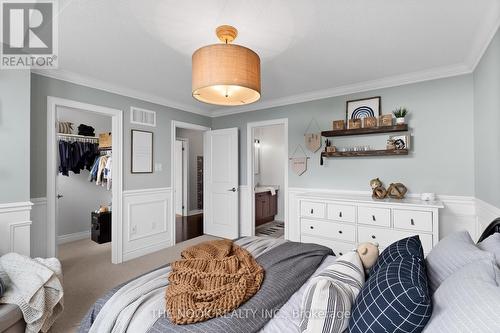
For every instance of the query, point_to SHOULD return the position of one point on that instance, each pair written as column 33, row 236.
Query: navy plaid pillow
column 395, row 299
column 404, row 248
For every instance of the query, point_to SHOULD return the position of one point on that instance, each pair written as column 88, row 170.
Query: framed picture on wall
column 401, row 141
column 141, row 151
column 363, row 108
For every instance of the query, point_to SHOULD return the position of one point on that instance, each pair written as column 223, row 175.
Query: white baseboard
column 68, row 238
column 146, row 250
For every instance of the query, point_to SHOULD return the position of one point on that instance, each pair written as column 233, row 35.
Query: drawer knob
column 340, row 214
column 373, row 236
column 340, row 253
column 312, row 211
column 311, row 227
column 412, row 222
column 373, row 218
column 340, row 231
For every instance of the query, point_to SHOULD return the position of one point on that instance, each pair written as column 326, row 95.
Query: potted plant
column 400, row 114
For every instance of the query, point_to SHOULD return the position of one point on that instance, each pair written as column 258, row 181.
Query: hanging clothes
column 76, row 156
column 100, row 170
column 107, row 172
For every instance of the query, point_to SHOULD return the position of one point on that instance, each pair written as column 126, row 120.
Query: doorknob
column 233, row 189
column 59, row 196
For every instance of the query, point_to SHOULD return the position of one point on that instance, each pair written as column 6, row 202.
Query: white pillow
column 492, row 245
column 329, row 297
column 468, row 301
column 449, row 255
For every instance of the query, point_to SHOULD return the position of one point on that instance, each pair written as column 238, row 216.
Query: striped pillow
column 450, row 254
column 404, row 248
column 492, row 245
column 468, row 301
column 3, row 282
column 327, row 302
column 394, row 299
column 65, row 127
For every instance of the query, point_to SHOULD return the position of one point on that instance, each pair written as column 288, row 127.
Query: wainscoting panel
column 15, row 227
column 246, row 225
column 486, row 213
column 459, row 212
column 146, row 221
column 39, row 227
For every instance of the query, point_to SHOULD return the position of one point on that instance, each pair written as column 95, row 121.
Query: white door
column 178, row 188
column 221, row 210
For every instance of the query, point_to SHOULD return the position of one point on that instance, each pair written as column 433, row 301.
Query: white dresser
column 341, row 222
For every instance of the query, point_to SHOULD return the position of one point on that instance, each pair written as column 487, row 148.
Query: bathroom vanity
column 266, row 205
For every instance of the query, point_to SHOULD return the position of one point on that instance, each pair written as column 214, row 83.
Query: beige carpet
column 89, row 273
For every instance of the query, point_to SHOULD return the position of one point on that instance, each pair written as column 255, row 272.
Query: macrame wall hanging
column 299, row 163
column 313, row 140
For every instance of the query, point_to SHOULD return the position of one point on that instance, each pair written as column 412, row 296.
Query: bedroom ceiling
column 309, row 49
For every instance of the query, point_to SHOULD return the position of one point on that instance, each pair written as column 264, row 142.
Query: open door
column 221, row 210
column 180, row 186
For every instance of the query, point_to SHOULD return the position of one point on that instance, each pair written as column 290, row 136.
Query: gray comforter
column 287, row 267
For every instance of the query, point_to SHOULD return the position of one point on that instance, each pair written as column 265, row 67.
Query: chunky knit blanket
column 139, row 305
column 35, row 285
column 212, row 279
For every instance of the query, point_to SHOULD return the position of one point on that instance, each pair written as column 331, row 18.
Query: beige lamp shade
column 226, row 74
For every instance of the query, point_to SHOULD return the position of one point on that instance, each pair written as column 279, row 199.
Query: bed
column 288, row 267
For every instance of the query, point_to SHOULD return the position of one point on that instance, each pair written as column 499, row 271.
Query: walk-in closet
column 84, row 179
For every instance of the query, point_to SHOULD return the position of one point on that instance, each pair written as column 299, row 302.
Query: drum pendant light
column 226, row 74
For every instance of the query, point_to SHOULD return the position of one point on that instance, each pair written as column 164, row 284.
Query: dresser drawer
column 385, row 237
column 343, row 213
column 374, row 216
column 339, row 248
column 329, row 229
column 413, row 220
column 312, row 209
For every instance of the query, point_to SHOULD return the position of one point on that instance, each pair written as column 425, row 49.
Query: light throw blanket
column 135, row 306
column 327, row 303
column 36, row 287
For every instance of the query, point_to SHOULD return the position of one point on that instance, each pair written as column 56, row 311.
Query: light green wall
column 43, row 86
column 441, row 160
column 486, row 124
column 14, row 135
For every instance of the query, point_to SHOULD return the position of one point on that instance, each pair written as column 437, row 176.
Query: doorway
column 187, row 180
column 84, row 178
column 267, row 165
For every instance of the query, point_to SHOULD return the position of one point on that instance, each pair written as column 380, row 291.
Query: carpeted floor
column 89, row 273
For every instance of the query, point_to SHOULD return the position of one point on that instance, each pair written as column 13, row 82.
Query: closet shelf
column 363, row 131
column 78, row 136
column 383, row 152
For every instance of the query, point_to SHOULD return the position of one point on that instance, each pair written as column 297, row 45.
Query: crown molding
column 86, row 81
column 392, row 81
column 487, row 32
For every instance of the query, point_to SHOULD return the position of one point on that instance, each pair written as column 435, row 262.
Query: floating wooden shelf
column 383, row 152
column 362, row 131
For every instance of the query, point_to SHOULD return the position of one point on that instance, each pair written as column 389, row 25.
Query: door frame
column 173, row 129
column 185, row 175
column 249, row 228
column 117, row 188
